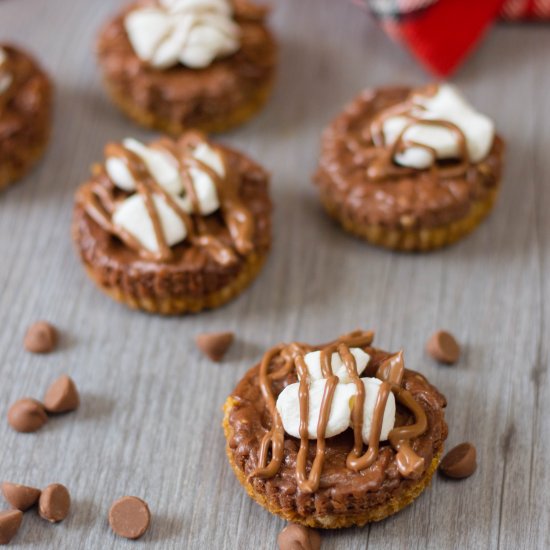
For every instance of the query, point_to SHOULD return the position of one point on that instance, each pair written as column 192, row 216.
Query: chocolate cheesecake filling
column 24, row 109
column 191, row 95
column 347, row 481
column 359, row 178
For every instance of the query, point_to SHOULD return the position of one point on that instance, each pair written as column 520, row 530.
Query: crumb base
column 177, row 305
column 329, row 521
column 415, row 240
column 219, row 124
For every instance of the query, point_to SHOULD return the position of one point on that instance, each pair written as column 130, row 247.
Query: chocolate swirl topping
column 390, row 373
column 100, row 202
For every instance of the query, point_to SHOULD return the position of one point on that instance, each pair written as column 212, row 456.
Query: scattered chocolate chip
column 129, row 517
column 54, row 503
column 459, row 462
column 10, row 521
column 215, row 344
column 20, row 497
column 27, row 415
column 62, row 396
column 41, row 337
column 298, row 537
column 443, row 347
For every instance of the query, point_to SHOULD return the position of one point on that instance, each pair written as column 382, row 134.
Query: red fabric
column 441, row 33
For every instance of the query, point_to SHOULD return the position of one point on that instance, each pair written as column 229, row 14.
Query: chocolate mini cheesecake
column 174, row 226
column 25, row 113
column 410, row 168
column 179, row 64
column 334, row 435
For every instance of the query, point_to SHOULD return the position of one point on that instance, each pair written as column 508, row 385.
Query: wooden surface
column 149, row 424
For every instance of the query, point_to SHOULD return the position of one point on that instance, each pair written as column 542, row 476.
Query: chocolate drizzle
column 390, row 373
column 100, row 202
column 382, row 163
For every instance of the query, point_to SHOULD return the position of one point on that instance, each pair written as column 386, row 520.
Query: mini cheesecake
column 173, row 65
column 410, row 169
column 174, row 226
column 334, row 435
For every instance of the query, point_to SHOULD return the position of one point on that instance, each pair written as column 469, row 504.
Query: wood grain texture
column 149, row 424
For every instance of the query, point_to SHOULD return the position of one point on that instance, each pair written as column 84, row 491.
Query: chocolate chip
column 443, row 347
column 298, row 537
column 10, row 521
column 62, row 396
column 27, row 415
column 20, row 497
column 459, row 462
column 129, row 517
column 41, row 337
column 215, row 344
column 54, row 503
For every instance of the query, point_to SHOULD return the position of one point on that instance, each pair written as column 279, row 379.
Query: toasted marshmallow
column 372, row 387
column 132, row 215
column 164, row 169
column 162, row 166
column 210, row 157
column 447, row 104
column 313, row 363
column 288, row 405
column 205, row 188
column 191, row 32
column 5, row 77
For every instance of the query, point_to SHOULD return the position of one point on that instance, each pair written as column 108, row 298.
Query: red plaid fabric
column 441, row 33
column 525, row 9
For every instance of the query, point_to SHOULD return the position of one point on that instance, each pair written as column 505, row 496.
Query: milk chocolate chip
column 41, row 337
column 27, row 415
column 129, row 517
column 54, row 503
column 298, row 537
column 215, row 344
column 10, row 521
column 443, row 347
column 20, row 497
column 62, row 396
column 459, row 462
